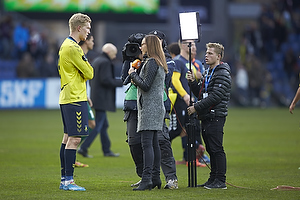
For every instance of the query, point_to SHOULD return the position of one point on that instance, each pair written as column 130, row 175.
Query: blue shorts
column 75, row 118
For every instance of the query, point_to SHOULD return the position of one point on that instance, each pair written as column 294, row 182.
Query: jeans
column 101, row 126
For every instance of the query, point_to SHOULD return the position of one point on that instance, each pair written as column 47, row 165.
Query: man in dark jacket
column 103, row 95
column 213, row 93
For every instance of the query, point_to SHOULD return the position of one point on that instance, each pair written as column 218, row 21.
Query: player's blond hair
column 78, row 19
column 219, row 48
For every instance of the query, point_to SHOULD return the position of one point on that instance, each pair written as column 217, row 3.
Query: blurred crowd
column 26, row 47
column 265, row 67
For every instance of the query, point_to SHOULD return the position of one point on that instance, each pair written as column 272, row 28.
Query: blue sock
column 62, row 160
column 70, row 157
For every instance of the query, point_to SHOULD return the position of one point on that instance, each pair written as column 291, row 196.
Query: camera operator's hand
column 190, row 76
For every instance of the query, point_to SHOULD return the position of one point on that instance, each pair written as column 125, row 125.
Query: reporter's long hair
column 154, row 50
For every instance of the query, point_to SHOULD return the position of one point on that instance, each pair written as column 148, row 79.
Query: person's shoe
column 198, row 164
column 217, row 184
column 208, row 182
column 79, row 164
column 72, row 186
column 156, row 182
column 61, row 186
column 144, row 186
column 200, row 151
column 180, row 162
column 111, row 154
column 136, row 184
column 172, row 184
column 84, row 153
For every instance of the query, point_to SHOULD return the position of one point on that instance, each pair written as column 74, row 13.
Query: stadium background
column 262, row 145
column 261, row 39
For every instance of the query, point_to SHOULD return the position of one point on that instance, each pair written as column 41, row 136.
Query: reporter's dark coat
column 103, row 85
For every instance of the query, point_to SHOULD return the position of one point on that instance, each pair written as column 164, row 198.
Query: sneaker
column 172, row 184
column 200, row 151
column 79, row 164
column 137, row 184
column 198, row 164
column 61, row 186
column 217, row 184
column 208, row 182
column 72, row 186
column 84, row 153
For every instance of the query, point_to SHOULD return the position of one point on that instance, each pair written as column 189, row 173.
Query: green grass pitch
column 262, row 147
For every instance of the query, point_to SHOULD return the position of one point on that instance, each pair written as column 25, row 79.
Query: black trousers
column 134, row 140
column 168, row 165
column 151, row 155
column 212, row 133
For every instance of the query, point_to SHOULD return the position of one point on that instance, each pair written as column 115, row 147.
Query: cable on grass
column 285, row 187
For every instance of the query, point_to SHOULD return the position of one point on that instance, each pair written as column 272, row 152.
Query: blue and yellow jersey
column 74, row 70
column 179, row 81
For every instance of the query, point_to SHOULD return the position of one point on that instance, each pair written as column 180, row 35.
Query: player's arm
column 295, row 100
column 178, row 86
column 80, row 61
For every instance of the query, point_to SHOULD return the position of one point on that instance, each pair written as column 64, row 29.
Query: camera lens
column 133, row 49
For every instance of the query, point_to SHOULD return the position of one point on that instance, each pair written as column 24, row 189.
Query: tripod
column 192, row 165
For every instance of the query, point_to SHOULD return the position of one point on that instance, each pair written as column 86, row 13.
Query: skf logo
column 22, row 93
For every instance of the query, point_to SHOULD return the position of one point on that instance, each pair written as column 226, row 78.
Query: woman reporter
column 151, row 111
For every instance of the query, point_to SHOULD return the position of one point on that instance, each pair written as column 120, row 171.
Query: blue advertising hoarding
column 22, row 93
column 38, row 94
